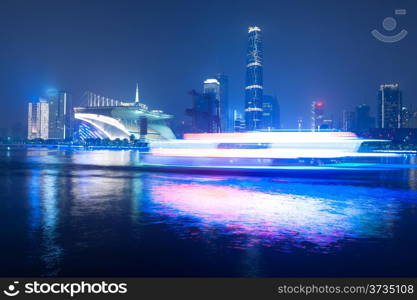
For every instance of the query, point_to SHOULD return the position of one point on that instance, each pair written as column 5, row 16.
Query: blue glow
column 51, row 91
column 66, row 207
column 276, row 213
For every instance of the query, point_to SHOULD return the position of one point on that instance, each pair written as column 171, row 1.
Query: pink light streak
column 266, row 218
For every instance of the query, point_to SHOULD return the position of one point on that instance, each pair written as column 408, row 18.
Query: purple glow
column 266, row 218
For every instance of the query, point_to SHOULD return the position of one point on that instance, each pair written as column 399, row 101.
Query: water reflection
column 44, row 217
column 273, row 216
column 313, row 214
column 412, row 174
column 84, row 208
column 107, row 158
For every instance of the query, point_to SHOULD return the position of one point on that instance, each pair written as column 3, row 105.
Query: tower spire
column 137, row 93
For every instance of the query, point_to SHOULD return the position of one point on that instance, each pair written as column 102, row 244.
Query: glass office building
column 389, row 106
column 38, row 119
column 60, row 115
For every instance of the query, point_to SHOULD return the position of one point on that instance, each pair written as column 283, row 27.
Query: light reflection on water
column 274, row 216
column 76, row 204
column 44, row 216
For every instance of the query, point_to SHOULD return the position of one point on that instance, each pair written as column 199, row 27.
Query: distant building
column 299, row 124
column 413, row 120
column 254, row 80
column 38, row 119
column 359, row 120
column 405, row 117
column 212, row 86
column 239, row 122
column 219, row 87
column 348, row 120
column 60, row 115
column 209, row 102
column 270, row 113
column 363, row 119
column 225, row 113
column 205, row 112
column 389, row 106
column 317, row 115
column 327, row 124
column 408, row 117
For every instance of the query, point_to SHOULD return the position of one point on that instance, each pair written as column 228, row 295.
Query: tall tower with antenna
column 254, row 80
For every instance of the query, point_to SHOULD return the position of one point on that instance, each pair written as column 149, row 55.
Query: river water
column 94, row 213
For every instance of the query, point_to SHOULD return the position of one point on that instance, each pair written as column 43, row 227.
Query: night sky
column 312, row 50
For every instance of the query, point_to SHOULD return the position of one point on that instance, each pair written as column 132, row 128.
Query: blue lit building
column 238, row 122
column 219, row 88
column 38, row 119
column 107, row 118
column 212, row 86
column 206, row 108
column 254, row 80
column 60, row 115
column 389, row 106
column 270, row 113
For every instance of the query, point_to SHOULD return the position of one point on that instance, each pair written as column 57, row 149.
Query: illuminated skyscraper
column 254, row 80
column 212, row 86
column 60, row 115
column 212, row 91
column 38, row 119
column 317, row 112
column 389, row 106
column 219, row 88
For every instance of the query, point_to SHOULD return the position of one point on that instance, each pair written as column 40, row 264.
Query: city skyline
column 146, row 139
column 295, row 73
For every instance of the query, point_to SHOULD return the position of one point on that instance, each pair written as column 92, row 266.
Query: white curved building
column 113, row 119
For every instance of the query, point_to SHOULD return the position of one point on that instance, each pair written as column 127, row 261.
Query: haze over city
column 312, row 51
